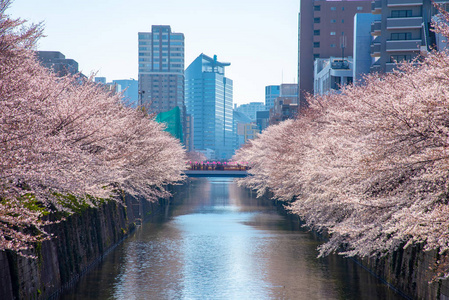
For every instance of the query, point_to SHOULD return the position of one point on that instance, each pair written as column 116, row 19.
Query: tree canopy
column 63, row 136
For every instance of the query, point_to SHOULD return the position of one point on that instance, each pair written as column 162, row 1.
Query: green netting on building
column 172, row 120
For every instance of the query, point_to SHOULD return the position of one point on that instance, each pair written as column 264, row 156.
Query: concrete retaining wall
column 82, row 241
column 409, row 272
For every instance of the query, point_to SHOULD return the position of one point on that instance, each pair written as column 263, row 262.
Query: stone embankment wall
column 408, row 271
column 81, row 242
column 411, row 271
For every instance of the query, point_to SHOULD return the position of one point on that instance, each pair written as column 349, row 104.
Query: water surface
column 219, row 242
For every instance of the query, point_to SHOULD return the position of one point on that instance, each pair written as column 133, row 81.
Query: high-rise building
column 325, row 30
column 161, row 70
column 271, row 93
column 209, row 102
column 402, row 32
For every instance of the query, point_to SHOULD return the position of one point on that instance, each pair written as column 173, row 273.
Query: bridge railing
column 217, row 166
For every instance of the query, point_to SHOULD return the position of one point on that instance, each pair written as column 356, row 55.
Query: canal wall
column 82, row 240
column 410, row 272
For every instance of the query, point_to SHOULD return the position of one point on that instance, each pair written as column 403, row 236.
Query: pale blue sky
column 258, row 37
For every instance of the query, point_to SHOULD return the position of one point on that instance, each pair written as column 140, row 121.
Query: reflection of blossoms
column 63, row 139
column 369, row 165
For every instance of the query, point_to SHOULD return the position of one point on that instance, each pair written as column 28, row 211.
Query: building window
column 399, row 58
column 333, row 33
column 316, row 32
column 143, row 36
column 401, row 36
column 401, row 13
column 317, row 8
column 333, row 21
column 316, row 55
column 316, row 44
column 359, row 8
column 342, row 20
column 316, row 20
column 332, row 45
column 333, row 8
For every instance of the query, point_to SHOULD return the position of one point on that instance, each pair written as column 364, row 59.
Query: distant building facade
column 240, row 119
column 362, row 59
column 262, row 120
column 250, row 109
column 286, row 106
column 325, row 30
column 56, row 61
column 188, row 133
column 330, row 74
column 209, row 101
column 129, row 88
column 271, row 93
column 246, row 132
column 161, row 69
column 401, row 33
column 283, row 109
column 101, row 80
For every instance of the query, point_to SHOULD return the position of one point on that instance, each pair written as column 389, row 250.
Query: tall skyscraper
column 161, row 69
column 209, row 102
column 325, row 30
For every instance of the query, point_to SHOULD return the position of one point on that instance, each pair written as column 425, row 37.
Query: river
column 218, row 241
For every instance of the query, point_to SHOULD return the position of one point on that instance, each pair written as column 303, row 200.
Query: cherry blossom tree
column 369, row 165
column 67, row 136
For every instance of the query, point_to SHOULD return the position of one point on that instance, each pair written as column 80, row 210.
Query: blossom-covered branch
column 369, row 165
column 68, row 136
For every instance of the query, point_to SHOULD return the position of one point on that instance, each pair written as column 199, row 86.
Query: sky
column 258, row 37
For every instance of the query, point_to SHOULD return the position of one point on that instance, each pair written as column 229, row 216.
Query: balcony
column 398, row 3
column 376, row 7
column 403, row 45
column 340, row 64
column 376, row 28
column 376, row 68
column 404, row 23
column 390, row 67
column 375, row 50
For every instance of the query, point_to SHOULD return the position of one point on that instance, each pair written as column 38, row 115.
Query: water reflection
column 222, row 243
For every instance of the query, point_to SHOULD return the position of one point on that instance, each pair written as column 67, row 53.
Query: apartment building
column 401, row 33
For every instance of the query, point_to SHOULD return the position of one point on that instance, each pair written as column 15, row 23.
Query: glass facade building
column 271, row 93
column 209, row 102
column 161, row 69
